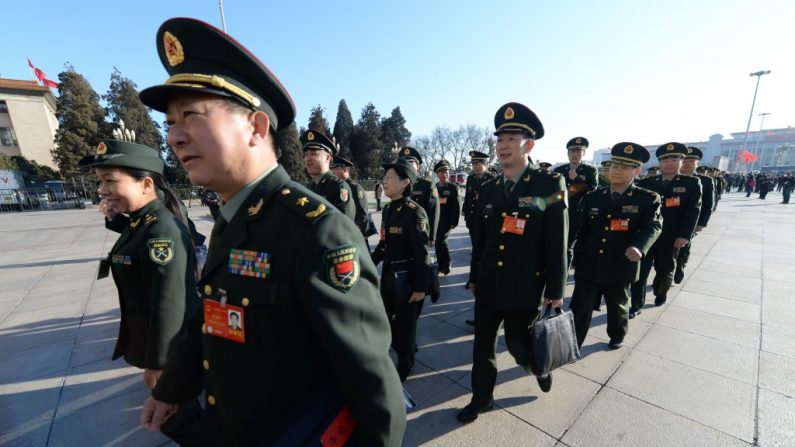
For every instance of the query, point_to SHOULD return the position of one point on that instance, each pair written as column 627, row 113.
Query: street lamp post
column 759, row 138
column 758, row 75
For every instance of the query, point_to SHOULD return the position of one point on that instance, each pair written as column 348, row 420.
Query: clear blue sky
column 643, row 71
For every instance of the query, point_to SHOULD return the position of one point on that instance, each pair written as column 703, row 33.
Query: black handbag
column 553, row 341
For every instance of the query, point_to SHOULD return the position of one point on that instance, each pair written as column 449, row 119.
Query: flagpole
column 759, row 139
column 223, row 20
column 758, row 75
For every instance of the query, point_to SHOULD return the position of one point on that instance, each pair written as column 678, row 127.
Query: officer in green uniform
column 342, row 170
column 518, row 255
column 449, row 212
column 314, row 338
column 153, row 261
column 480, row 174
column 689, row 167
column 580, row 178
column 403, row 248
column 621, row 223
column 319, row 151
column 681, row 205
column 425, row 195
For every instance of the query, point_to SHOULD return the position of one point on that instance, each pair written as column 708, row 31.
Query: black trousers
column 586, row 294
column 662, row 256
column 402, row 323
column 484, row 360
column 683, row 256
column 575, row 220
column 786, row 193
column 442, row 251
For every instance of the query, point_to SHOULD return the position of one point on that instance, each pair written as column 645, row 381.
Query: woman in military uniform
column 404, row 249
column 153, row 261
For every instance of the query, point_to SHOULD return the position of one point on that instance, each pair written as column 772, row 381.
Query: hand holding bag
column 553, row 341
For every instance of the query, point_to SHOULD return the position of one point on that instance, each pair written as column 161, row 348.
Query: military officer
column 479, row 175
column 404, row 249
column 342, row 170
column 689, row 167
column 449, row 212
column 518, row 255
column 580, row 178
column 319, row 151
column 153, row 261
column 426, row 196
column 652, row 171
column 681, row 205
column 604, row 176
column 621, row 223
column 314, row 337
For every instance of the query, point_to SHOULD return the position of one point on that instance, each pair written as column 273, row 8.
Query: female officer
column 404, row 249
column 153, row 261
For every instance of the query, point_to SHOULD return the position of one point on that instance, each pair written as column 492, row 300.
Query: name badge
column 679, row 189
column 224, row 320
column 442, row 200
column 671, row 202
column 629, row 209
column 513, row 225
column 619, row 224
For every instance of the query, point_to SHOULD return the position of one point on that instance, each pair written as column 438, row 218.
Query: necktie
column 218, row 230
column 508, row 187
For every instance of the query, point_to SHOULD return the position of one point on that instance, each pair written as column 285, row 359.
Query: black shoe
column 660, row 300
column 435, row 297
column 545, row 382
column 616, row 343
column 471, row 411
column 470, row 322
column 466, row 285
column 633, row 312
column 679, row 275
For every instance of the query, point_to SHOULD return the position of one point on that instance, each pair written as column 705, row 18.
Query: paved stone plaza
column 714, row 367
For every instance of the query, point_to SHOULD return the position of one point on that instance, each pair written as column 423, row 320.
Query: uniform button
column 604, row 240
column 609, row 216
column 208, row 290
column 607, row 228
column 204, row 329
column 206, row 364
column 601, row 251
column 499, row 263
column 502, row 230
column 245, row 302
column 211, row 399
column 503, row 214
column 538, row 273
column 502, row 247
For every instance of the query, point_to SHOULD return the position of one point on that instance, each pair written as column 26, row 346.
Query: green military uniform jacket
column 360, row 204
column 336, row 191
column 312, row 319
column 471, row 196
column 708, row 199
column 449, row 207
column 153, row 265
column 404, row 238
column 681, row 204
column 587, row 180
column 514, row 270
column 425, row 195
column 609, row 228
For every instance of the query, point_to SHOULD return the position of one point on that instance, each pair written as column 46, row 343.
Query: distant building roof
column 18, row 84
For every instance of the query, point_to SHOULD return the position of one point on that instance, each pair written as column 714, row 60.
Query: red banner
column 41, row 76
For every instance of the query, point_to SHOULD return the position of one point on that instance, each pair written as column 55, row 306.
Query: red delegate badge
column 672, row 202
column 619, row 224
column 442, row 200
column 224, row 320
column 513, row 225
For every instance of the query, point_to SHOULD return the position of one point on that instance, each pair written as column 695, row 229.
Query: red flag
column 41, row 76
column 749, row 157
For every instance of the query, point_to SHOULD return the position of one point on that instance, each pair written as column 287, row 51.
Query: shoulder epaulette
column 489, row 181
column 423, row 179
column 302, row 202
column 149, row 218
column 647, row 192
column 411, row 204
column 547, row 174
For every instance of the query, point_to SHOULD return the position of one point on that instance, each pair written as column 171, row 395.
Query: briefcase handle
column 548, row 311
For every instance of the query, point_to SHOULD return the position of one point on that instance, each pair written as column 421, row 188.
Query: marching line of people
column 282, row 336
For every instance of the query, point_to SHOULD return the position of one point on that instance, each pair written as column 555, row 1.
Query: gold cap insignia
column 173, row 49
column 670, row 147
column 102, row 149
column 509, row 113
column 310, row 136
column 407, row 151
column 578, row 141
column 689, row 150
column 629, row 149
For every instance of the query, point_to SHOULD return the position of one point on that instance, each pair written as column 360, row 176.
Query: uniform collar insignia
column 302, row 201
column 318, row 211
column 134, row 224
column 252, row 210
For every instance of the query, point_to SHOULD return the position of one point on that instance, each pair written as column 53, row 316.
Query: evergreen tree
column 7, row 163
column 393, row 131
column 290, row 152
column 30, row 167
column 318, row 121
column 343, row 130
column 366, row 145
column 81, row 124
column 124, row 104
